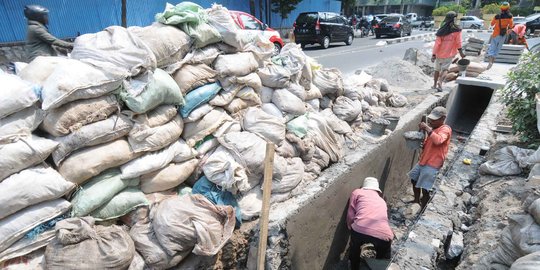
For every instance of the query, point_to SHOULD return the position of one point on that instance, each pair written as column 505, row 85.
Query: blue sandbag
column 217, row 196
column 199, row 96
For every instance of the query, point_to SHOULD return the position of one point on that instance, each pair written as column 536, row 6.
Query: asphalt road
column 364, row 52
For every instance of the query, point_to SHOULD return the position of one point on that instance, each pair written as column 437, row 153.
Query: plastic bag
column 198, row 97
column 24, row 153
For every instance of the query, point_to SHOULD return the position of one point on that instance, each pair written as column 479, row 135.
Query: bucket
column 393, row 122
column 463, row 64
column 378, row 126
column 414, row 139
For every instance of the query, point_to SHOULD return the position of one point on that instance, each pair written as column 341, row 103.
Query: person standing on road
column 517, row 36
column 373, row 23
column 447, row 45
column 39, row 42
column 367, row 219
column 501, row 23
column 433, row 155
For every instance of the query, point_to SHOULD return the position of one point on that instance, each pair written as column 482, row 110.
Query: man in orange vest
column 501, row 24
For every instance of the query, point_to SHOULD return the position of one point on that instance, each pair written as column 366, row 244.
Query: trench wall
column 314, row 222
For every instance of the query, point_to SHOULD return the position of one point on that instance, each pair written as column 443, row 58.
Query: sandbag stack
column 137, row 116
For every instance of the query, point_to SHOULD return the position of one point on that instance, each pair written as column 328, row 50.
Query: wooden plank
column 265, row 211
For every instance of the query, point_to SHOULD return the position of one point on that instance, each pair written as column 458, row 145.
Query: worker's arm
column 458, row 44
column 351, row 211
column 436, row 48
column 50, row 39
column 439, row 137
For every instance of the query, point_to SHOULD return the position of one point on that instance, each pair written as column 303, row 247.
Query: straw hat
column 371, row 183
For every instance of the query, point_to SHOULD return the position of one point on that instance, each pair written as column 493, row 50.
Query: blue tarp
column 218, row 196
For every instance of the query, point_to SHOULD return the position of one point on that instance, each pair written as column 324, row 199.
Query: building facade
column 372, row 7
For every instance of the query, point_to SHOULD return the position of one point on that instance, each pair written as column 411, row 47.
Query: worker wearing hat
column 501, row 23
column 367, row 219
column 433, row 155
column 447, row 45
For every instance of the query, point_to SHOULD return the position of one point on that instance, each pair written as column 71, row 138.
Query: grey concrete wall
column 315, row 223
column 12, row 52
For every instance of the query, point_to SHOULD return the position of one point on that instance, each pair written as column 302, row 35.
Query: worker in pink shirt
column 447, row 45
column 367, row 219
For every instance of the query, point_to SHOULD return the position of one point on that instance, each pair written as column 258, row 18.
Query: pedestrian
column 435, row 149
column 354, row 22
column 374, row 23
column 39, row 42
column 517, row 36
column 447, row 45
column 501, row 23
column 367, row 219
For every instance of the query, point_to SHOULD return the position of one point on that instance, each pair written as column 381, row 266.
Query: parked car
column 395, row 25
column 379, row 17
column 472, row 22
column 322, row 28
column 533, row 23
column 519, row 20
column 252, row 25
column 423, row 22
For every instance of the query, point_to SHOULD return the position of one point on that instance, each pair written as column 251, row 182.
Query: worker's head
column 520, row 30
column 371, row 183
column 450, row 16
column 505, row 6
column 437, row 116
column 37, row 13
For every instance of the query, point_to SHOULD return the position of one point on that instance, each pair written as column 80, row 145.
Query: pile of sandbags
column 139, row 116
column 474, row 69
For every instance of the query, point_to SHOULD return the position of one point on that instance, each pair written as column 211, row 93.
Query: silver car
column 471, row 22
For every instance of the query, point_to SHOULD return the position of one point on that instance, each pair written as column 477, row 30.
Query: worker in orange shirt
column 433, row 155
column 501, row 23
column 517, row 36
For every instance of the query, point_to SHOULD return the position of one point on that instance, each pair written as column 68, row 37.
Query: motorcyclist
column 39, row 42
column 374, row 22
column 364, row 26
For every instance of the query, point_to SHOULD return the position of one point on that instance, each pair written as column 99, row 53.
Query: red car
column 247, row 22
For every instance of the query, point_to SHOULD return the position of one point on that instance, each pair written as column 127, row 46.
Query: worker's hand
column 425, row 127
column 462, row 54
column 433, row 57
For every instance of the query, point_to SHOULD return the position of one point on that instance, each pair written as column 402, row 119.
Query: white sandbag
column 313, row 93
column 528, row 262
column 251, row 80
column 297, row 90
column 228, row 65
column 121, row 204
column 324, row 137
column 534, row 210
column 338, row 125
column 96, row 133
column 287, row 150
column 143, row 138
column 249, row 95
column 72, row 116
column 156, row 160
column 205, row 55
column 169, row 177
column 16, row 94
column 220, row 18
column 157, row 116
column 193, row 222
column 274, row 76
column 73, row 80
column 190, row 77
column 137, row 263
column 396, row 100
column 288, row 173
column 314, row 105
column 326, row 102
column 293, row 59
column 20, row 124
column 17, row 225
column 40, row 69
column 525, row 233
column 168, row 43
column 288, row 102
column 31, row 249
column 259, row 45
column 198, row 113
column 347, row 109
column 266, row 94
column 85, row 163
column 196, row 131
column 222, row 169
column 225, row 96
column 251, row 203
column 505, row 161
column 238, row 104
column 207, row 146
column 24, row 153
column 247, row 148
column 263, row 124
column 329, row 81
column 227, row 127
column 29, row 187
column 271, row 109
column 114, row 47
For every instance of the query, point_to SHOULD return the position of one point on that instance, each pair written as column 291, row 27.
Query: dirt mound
column 401, row 74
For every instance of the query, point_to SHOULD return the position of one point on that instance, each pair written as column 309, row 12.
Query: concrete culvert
column 466, row 105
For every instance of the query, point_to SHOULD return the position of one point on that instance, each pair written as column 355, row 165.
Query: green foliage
column 284, row 7
column 519, row 96
column 442, row 10
column 493, row 8
column 521, row 11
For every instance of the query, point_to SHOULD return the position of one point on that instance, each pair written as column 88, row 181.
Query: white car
column 471, row 22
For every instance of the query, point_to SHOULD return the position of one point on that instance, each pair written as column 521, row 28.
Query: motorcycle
column 364, row 31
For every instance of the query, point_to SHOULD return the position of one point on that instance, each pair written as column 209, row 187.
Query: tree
column 347, row 6
column 284, row 8
column 124, row 8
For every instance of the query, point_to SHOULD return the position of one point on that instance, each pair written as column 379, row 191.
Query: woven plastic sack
column 251, row 80
column 228, row 65
column 505, row 161
column 44, row 183
column 98, row 191
column 288, row 102
column 324, row 137
column 251, row 203
column 96, row 133
column 347, row 109
column 152, row 161
column 247, row 148
column 85, row 163
column 225, row 96
column 168, row 43
column 198, row 113
column 20, row 124
column 81, row 243
column 271, row 109
column 24, row 153
column 198, row 97
column 190, row 77
column 298, row 126
column 288, row 173
column 220, row 18
column 17, row 225
column 222, row 169
column 121, row 204
column 274, row 76
column 396, row 100
column 40, row 69
column 115, row 47
column 143, row 138
column 338, row 125
column 16, row 94
column 73, row 80
column 168, row 177
column 72, row 116
column 263, row 124
column 196, row 131
column 329, row 81
column 528, row 262
column 161, row 89
column 193, row 222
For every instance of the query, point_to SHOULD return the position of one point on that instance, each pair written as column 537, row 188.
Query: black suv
column 394, row 25
column 322, row 28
